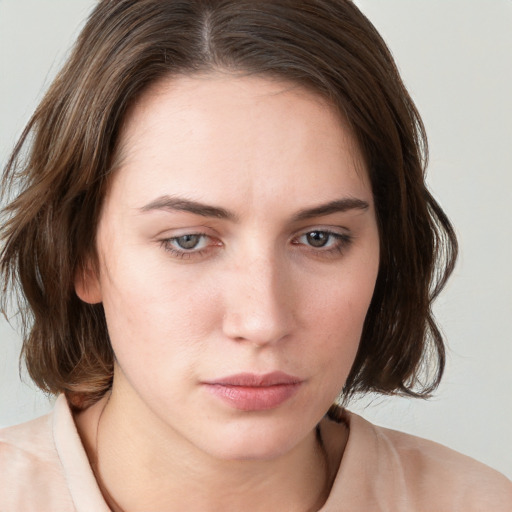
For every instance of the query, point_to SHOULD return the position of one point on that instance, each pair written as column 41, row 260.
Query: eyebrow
column 336, row 206
column 171, row 203
column 180, row 204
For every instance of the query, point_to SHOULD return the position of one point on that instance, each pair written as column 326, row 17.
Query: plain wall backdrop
column 456, row 59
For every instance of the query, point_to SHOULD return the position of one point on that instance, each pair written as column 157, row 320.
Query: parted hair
column 56, row 178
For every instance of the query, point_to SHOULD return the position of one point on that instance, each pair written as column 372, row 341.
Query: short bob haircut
column 56, row 178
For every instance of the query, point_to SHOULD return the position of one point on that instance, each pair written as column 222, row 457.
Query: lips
column 252, row 392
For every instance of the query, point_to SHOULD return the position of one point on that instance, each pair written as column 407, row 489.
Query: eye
column 323, row 241
column 318, row 238
column 188, row 242
column 189, row 245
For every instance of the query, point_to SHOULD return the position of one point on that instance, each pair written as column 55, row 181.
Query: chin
column 244, row 443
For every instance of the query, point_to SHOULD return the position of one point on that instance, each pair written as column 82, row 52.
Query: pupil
column 188, row 241
column 317, row 238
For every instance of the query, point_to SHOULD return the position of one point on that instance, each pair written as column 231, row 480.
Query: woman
column 223, row 230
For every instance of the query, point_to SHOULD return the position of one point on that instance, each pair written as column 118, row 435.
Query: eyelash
column 342, row 243
column 183, row 253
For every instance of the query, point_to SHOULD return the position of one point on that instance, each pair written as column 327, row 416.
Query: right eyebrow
column 172, row 203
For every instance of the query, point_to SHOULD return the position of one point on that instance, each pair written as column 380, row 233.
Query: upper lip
column 256, row 380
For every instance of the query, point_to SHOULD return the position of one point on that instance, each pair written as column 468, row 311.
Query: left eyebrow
column 336, row 206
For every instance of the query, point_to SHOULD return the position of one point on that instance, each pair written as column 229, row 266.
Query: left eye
column 320, row 239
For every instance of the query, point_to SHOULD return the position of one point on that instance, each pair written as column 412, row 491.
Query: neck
column 139, row 467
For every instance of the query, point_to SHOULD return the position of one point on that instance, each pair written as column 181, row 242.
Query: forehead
column 220, row 133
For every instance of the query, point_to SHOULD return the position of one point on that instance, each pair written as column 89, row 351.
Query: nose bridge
column 257, row 309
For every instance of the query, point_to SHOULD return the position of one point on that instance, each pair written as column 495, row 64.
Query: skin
column 254, row 295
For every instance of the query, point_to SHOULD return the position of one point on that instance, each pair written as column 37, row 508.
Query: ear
column 87, row 284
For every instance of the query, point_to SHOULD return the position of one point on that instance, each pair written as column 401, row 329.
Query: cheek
column 341, row 304
column 337, row 348
column 339, row 328
column 154, row 315
column 335, row 315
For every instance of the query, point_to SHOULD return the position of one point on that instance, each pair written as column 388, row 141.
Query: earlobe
column 87, row 284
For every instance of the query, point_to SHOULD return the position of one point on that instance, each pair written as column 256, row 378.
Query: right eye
column 188, row 245
column 187, row 242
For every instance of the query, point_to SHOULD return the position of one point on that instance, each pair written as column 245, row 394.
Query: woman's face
column 238, row 252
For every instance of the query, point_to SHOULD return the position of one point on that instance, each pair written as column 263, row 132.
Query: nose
column 258, row 302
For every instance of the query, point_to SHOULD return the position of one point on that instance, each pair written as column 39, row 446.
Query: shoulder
column 30, row 469
column 413, row 474
column 430, row 468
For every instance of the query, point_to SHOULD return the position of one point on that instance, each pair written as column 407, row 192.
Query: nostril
column 259, row 326
column 257, row 303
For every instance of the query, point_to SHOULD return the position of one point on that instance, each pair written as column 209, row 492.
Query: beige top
column 44, row 467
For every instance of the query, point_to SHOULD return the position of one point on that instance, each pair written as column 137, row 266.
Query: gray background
column 456, row 59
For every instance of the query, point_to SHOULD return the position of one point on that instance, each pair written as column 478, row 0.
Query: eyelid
column 334, row 230
column 181, row 253
column 343, row 238
column 176, row 232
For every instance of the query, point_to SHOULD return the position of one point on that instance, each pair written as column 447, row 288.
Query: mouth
column 252, row 392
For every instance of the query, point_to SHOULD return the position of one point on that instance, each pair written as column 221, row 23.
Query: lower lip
column 259, row 398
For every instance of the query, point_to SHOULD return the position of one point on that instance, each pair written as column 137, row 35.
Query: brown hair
column 327, row 46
